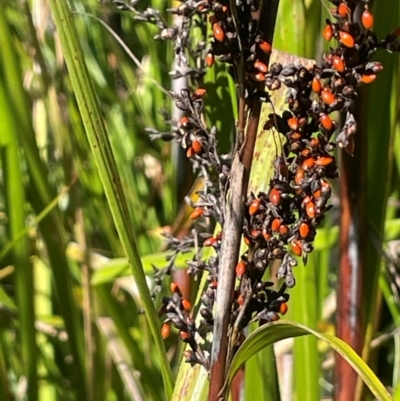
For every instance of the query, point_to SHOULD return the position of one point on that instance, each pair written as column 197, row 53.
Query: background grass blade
column 103, row 155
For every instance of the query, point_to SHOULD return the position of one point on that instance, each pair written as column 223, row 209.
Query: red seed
column 265, row 46
column 213, row 284
column 346, row 39
column 255, row 233
column 210, row 60
column 296, row 136
column 314, row 142
column 304, row 230
column 328, row 97
column 240, row 300
column 240, row 269
column 283, row 308
column 308, row 164
column 260, row 77
column 186, row 304
column 326, row 122
column 197, row 212
column 283, row 229
column 200, row 92
column 210, row 241
column 276, row 223
column 218, row 32
column 190, row 152
column 185, row 336
column 310, row 209
column 316, row 85
column 165, row 331
column 175, row 288
column 338, row 64
column 254, row 206
column 317, row 194
column 367, row 79
column 293, row 123
column 324, row 160
column 299, row 177
column 327, row 33
column 260, row 66
column 275, row 196
column 267, row 236
column 184, row 122
column 343, row 10
column 296, row 247
column 197, row 147
column 367, row 19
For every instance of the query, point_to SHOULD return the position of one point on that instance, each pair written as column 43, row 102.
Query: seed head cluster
column 280, row 224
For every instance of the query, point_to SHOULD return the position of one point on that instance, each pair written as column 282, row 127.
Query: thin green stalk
column 101, row 148
column 23, row 277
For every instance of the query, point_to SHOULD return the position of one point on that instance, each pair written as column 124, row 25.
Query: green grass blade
column 273, row 332
column 101, row 149
column 23, row 275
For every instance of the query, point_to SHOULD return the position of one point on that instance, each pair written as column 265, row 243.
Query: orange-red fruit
column 328, row 97
column 260, row 66
column 283, row 229
column 197, row 147
column 316, row 85
column 218, row 32
column 267, row 236
column 240, row 269
column 175, row 287
column 197, row 212
column 275, row 196
column 367, row 79
column 296, row 247
column 283, row 308
column 367, row 19
column 323, row 161
column 343, row 10
column 326, row 122
column 247, row 240
column 254, row 206
column 165, row 330
column 265, row 46
column 346, row 39
column 308, row 164
column 185, row 336
column 184, row 121
column 186, row 304
column 310, row 209
column 210, row 59
column 304, row 230
column 327, row 33
column 200, row 92
column 240, row 300
column 255, row 233
column 317, row 194
column 276, row 223
column 190, row 152
column 260, row 77
column 296, row 136
column 210, row 241
column 338, row 64
column 293, row 123
column 299, row 177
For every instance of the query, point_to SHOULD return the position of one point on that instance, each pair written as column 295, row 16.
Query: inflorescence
column 281, row 223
